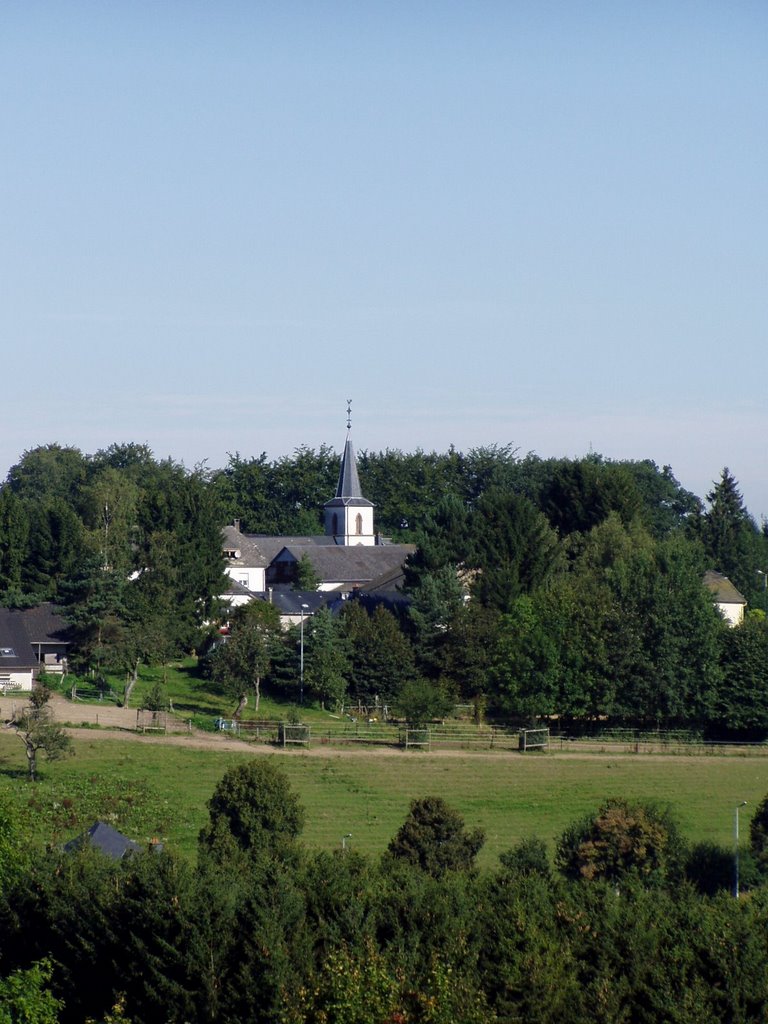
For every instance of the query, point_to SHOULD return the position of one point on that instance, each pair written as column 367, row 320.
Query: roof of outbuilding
column 106, row 839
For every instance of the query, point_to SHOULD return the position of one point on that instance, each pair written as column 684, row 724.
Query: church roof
column 357, row 563
column 348, row 490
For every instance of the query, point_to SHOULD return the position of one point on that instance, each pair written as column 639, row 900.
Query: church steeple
column 348, row 515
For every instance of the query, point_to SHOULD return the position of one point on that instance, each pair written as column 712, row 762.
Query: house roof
column 106, row 839
column 358, row 563
column 16, row 653
column 44, row 624
column 289, row 601
column 722, row 589
column 256, row 550
column 388, row 581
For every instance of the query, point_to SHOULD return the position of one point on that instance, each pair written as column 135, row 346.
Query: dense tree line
column 130, row 547
column 540, row 586
column 624, row 922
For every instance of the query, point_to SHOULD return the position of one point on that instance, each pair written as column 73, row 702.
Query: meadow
column 153, row 788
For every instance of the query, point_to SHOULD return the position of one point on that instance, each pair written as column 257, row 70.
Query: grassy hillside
column 156, row 789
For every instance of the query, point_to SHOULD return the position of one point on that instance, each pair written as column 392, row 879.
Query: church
column 349, row 556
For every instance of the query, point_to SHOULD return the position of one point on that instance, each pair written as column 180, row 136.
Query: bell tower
column 348, row 515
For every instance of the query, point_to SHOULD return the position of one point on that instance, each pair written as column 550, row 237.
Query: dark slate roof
column 393, row 600
column 390, row 580
column 357, row 563
column 256, row 550
column 722, row 589
column 289, row 601
column 272, row 546
column 348, row 491
column 44, row 624
column 15, row 641
column 106, row 839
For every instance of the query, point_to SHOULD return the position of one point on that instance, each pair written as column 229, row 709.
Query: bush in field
column 623, row 839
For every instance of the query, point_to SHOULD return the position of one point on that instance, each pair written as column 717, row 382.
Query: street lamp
column 304, row 607
column 736, row 849
column 344, row 840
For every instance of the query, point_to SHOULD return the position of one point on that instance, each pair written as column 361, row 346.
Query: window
column 335, row 524
column 358, row 523
column 7, row 652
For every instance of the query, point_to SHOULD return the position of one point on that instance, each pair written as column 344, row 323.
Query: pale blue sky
column 534, row 223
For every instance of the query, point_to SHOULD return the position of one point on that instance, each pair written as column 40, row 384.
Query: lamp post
column 736, row 849
column 344, row 841
column 304, row 607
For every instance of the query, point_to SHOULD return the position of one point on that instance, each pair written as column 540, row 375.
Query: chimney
column 236, row 524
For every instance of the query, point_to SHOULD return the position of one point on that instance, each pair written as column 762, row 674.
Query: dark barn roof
column 106, row 840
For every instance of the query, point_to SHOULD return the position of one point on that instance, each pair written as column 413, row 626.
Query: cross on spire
column 349, row 414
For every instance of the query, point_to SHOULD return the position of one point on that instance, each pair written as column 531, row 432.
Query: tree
column 581, row 494
column 436, row 601
column 515, row 549
column 433, row 837
column 26, row 999
column 421, row 701
column 381, row 657
column 38, row 731
column 13, row 850
column 306, row 577
column 14, row 537
column 525, row 662
column 528, row 857
column 326, row 661
column 241, row 660
column 623, row 840
column 253, row 810
column 758, row 835
column 741, row 698
column 729, row 534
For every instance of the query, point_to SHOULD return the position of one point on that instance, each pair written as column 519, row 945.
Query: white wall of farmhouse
column 252, row 577
column 733, row 613
column 15, row 681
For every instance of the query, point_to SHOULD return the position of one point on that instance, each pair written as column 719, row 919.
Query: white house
column 31, row 640
column 729, row 602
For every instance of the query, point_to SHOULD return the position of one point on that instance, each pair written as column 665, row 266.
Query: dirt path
column 227, row 744
column 109, row 723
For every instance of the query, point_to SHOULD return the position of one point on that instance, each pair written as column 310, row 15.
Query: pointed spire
column 349, row 482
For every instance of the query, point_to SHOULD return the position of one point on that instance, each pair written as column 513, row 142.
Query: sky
column 537, row 223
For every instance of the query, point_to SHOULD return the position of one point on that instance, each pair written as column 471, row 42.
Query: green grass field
column 157, row 789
